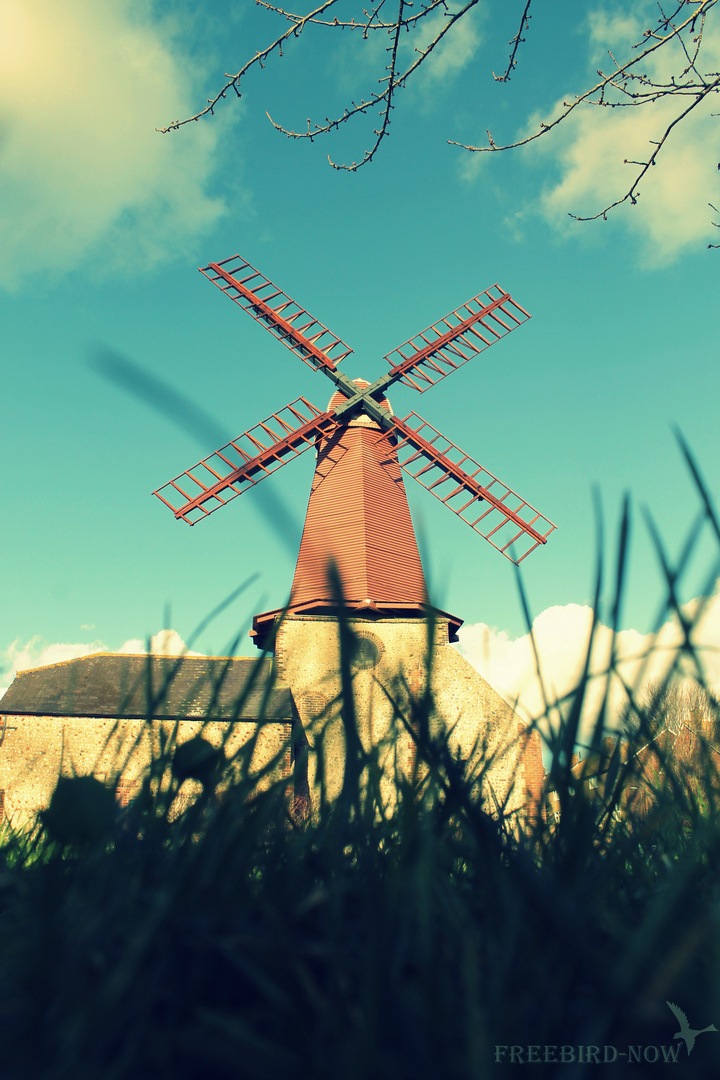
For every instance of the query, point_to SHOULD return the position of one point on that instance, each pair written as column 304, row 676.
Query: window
column 366, row 654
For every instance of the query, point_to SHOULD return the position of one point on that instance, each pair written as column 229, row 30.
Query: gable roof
column 108, row 685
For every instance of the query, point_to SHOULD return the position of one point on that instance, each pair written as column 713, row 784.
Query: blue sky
column 103, row 223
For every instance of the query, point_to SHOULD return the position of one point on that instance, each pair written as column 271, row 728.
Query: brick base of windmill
column 307, row 660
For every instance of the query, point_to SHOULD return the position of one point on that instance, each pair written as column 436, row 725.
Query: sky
column 104, row 222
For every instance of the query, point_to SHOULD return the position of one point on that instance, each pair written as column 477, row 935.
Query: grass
column 374, row 940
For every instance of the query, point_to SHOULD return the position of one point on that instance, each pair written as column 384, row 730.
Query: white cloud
column 83, row 84
column 561, row 636
column 20, row 656
column 455, row 51
column 614, row 29
column 164, row 643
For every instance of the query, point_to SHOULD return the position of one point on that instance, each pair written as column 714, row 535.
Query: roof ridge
column 131, row 656
column 98, row 688
column 61, row 663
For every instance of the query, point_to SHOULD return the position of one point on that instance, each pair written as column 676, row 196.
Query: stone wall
column 390, row 666
column 36, row 750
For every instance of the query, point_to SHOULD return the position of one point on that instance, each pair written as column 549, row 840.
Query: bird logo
column 686, row 1032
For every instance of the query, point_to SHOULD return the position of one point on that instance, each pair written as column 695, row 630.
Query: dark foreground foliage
column 371, row 941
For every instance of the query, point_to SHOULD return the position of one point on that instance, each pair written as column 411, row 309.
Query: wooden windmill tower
column 358, row 515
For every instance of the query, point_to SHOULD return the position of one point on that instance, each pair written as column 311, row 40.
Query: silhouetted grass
column 374, row 939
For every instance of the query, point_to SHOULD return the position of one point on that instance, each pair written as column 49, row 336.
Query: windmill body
column 358, row 516
column 358, row 520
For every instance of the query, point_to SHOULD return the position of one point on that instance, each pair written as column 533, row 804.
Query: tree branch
column 516, row 42
column 371, row 24
column 599, row 89
column 233, row 80
column 627, row 85
column 633, row 194
column 394, row 82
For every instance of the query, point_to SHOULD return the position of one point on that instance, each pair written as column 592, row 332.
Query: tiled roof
column 118, row 684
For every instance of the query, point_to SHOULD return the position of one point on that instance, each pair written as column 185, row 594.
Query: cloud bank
column 83, row 173
column 562, row 635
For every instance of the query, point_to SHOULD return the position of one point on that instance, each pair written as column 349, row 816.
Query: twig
column 516, row 42
column 394, row 82
column 633, row 194
column 233, row 80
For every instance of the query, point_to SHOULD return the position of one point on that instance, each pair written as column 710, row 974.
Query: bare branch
column 516, row 42
column 633, row 194
column 634, row 88
column 233, row 80
column 600, row 88
column 394, row 81
column 632, row 81
column 383, row 130
column 372, row 22
column 714, row 223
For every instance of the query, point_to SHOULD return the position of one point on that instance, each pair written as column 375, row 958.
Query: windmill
column 358, row 518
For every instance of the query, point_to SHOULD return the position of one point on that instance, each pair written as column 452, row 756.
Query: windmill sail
column 429, row 356
column 304, row 335
column 245, row 461
column 495, row 511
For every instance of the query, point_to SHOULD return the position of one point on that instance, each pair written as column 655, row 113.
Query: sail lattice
column 245, row 461
column 491, row 508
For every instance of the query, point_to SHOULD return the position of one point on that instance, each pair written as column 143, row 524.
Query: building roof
column 109, row 685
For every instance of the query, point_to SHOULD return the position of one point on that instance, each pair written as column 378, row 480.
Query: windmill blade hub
column 361, row 418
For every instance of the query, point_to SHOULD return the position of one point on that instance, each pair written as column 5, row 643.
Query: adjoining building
column 104, row 715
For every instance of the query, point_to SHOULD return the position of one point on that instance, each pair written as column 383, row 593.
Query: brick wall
column 533, row 770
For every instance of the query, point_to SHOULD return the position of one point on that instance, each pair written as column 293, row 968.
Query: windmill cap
column 363, row 420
